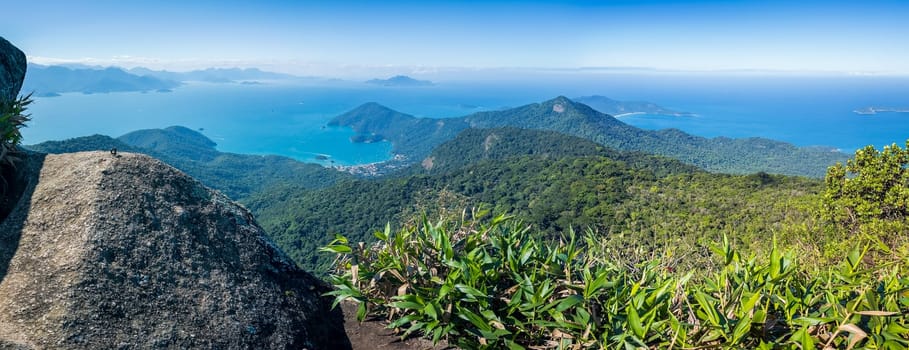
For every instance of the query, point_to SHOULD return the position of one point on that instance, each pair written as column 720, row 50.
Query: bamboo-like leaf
column 741, row 329
column 336, row 249
column 634, row 322
column 569, row 302
column 474, row 319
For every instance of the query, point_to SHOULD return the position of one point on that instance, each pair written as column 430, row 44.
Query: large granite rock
column 106, row 252
column 12, row 70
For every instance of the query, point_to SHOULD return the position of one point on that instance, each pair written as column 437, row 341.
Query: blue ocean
column 290, row 118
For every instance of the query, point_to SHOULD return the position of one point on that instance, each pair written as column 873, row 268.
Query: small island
column 400, row 80
column 876, row 110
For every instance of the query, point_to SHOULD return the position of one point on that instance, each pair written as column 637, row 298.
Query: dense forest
column 638, row 200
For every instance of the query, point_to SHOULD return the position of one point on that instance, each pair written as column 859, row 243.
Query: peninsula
column 620, row 109
column 876, row 110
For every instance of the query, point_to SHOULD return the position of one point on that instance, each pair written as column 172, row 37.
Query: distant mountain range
column 48, row 81
column 214, row 75
column 51, row 80
column 400, row 80
column 414, row 138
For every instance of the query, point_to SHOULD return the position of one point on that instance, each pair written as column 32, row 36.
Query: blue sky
column 340, row 38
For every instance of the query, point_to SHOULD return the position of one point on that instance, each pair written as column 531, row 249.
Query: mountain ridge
column 416, row 137
column 49, row 81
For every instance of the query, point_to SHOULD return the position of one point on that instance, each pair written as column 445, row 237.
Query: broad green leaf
column 569, row 302
column 634, row 321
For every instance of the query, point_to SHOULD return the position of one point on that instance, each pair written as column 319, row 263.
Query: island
column 400, row 80
column 876, row 110
column 620, row 109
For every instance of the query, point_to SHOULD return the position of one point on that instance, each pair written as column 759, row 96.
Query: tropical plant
column 493, row 283
column 873, row 185
column 12, row 118
column 868, row 200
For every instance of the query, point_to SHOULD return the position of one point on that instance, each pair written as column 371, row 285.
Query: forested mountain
column 416, row 137
column 474, row 145
column 411, row 136
column 237, row 175
column 539, row 177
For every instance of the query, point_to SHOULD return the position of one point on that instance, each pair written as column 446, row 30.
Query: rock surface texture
column 125, row 252
column 12, row 70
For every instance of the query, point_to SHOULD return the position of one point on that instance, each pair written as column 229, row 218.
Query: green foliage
column 13, row 117
column 641, row 203
column 492, row 283
column 867, row 201
column 872, row 186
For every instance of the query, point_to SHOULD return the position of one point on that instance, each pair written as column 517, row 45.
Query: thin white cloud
column 368, row 71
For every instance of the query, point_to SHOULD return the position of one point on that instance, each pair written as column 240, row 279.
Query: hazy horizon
column 364, row 40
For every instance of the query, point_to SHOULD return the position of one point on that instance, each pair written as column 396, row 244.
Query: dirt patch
column 372, row 334
column 488, row 143
column 558, row 108
column 427, row 163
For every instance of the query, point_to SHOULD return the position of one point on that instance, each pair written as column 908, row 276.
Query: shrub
column 12, row 118
column 494, row 284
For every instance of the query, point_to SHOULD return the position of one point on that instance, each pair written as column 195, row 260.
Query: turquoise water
column 290, row 119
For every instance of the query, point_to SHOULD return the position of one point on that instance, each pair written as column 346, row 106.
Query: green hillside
column 237, row 175
column 416, row 137
column 649, row 201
